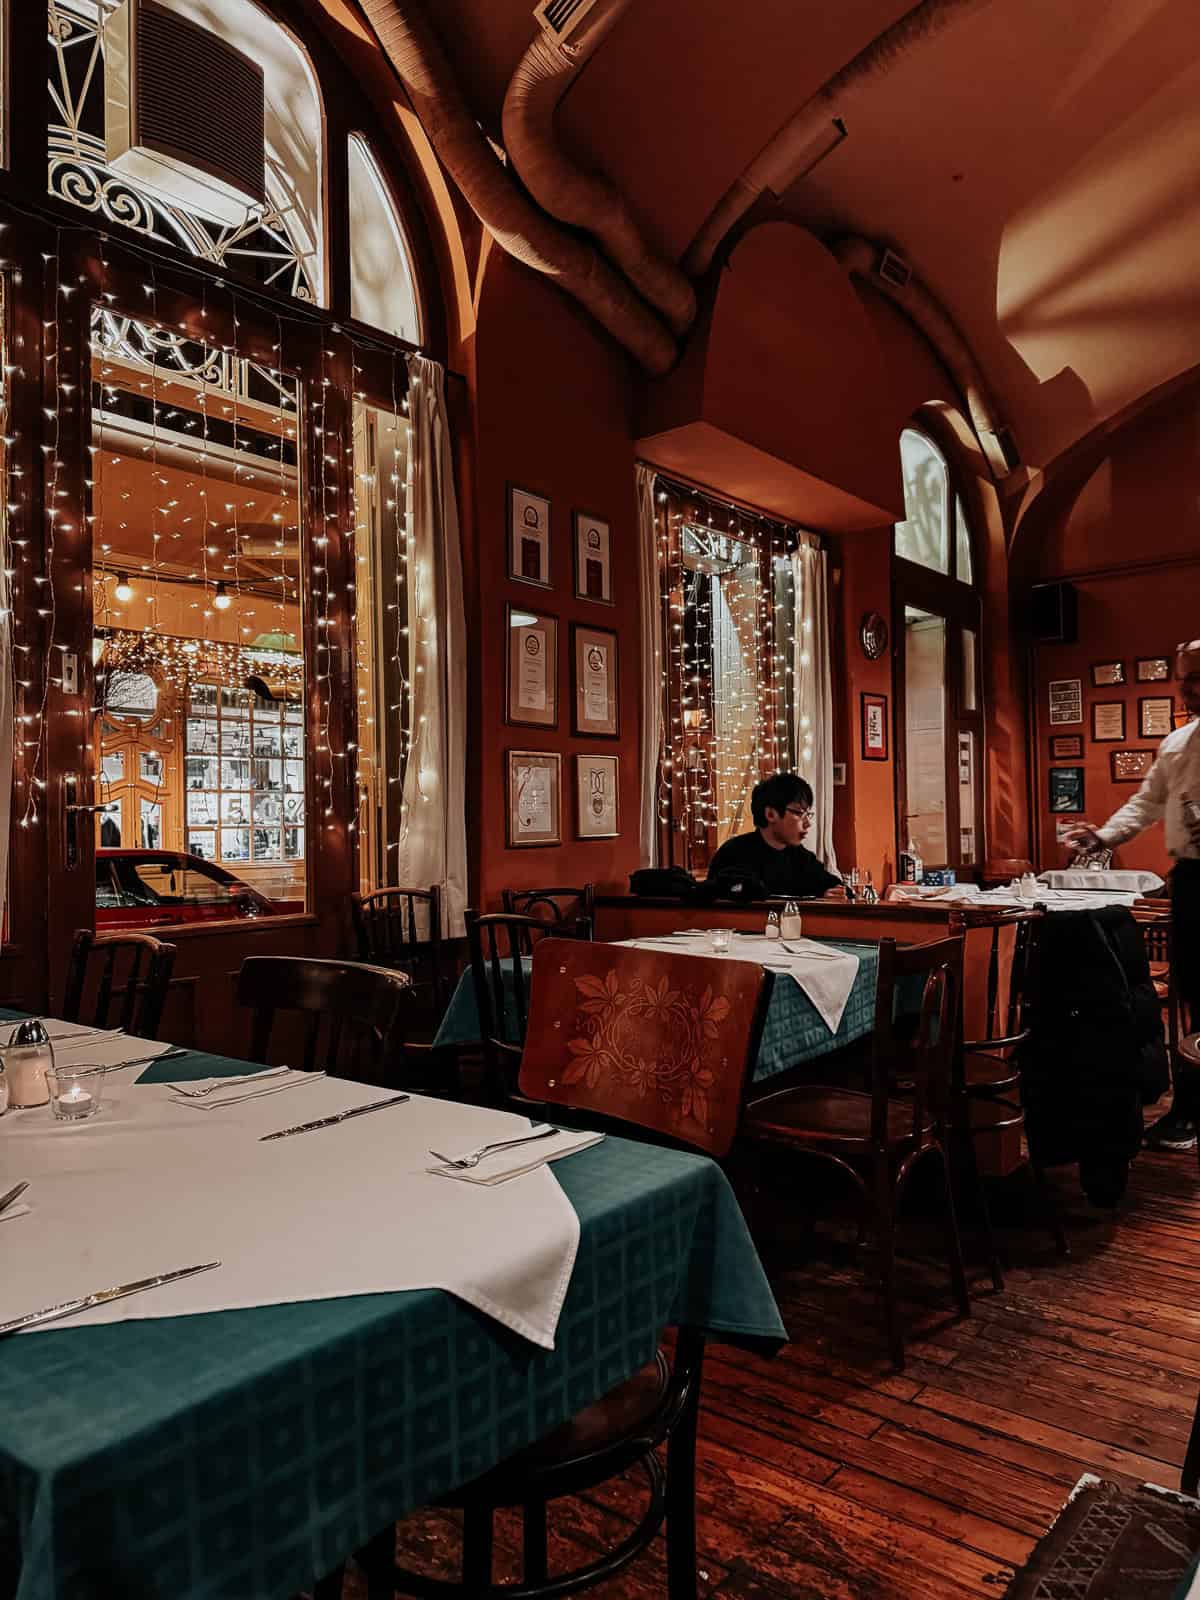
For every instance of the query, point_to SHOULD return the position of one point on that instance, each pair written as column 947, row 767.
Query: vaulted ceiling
column 1036, row 161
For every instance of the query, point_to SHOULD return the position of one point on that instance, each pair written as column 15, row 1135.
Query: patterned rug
column 1109, row 1543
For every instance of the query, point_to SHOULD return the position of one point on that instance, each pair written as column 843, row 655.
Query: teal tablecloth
column 794, row 1031
column 243, row 1453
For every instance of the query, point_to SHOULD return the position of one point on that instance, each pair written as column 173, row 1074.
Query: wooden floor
column 823, row 1474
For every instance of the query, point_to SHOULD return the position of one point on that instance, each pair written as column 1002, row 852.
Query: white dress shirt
column 1171, row 791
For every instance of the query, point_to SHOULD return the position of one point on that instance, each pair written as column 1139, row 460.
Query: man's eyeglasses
column 803, row 812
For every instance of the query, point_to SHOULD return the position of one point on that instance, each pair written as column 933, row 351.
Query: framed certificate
column 532, row 678
column 1130, row 766
column 873, row 715
column 1107, row 673
column 1066, row 746
column 593, row 562
column 534, row 785
column 1066, row 700
column 1156, row 716
column 594, row 675
column 528, row 536
column 1108, row 721
column 596, row 781
column 1153, row 669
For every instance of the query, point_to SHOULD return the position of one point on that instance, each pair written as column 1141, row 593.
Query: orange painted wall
column 553, row 414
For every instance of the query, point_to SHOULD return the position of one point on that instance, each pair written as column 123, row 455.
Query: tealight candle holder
column 718, row 939
column 74, row 1091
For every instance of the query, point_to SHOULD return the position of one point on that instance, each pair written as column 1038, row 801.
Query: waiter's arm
column 1147, row 806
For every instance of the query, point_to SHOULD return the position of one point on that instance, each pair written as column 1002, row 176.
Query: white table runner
column 1123, row 880
column 147, row 1186
column 825, row 973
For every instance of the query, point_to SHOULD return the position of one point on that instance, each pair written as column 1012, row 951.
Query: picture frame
column 874, row 726
column 1066, row 701
column 593, row 558
column 1152, row 669
column 1130, row 766
column 839, row 774
column 1066, row 790
column 533, row 798
column 1156, row 715
column 1066, row 746
column 528, row 536
column 597, row 796
column 1108, row 721
column 1107, row 674
column 531, row 668
column 595, row 699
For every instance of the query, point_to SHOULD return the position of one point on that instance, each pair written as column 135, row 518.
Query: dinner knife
column 340, row 1116
column 13, row 1194
column 68, row 1308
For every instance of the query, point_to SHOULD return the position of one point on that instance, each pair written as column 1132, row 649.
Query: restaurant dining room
column 612, row 589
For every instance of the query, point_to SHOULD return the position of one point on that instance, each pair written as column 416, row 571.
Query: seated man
column 782, row 808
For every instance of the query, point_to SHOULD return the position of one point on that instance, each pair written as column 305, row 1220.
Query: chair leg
column 477, row 1547
column 958, row 1276
column 535, row 1564
column 979, row 1189
column 1189, row 1477
column 1050, row 1208
column 681, row 1499
column 885, row 1222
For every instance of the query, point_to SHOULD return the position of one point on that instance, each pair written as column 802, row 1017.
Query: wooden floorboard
column 823, row 1475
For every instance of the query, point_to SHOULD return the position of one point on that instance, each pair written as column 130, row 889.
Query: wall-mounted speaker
column 1054, row 613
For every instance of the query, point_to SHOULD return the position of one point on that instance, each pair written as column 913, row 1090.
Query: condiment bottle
column 772, row 928
column 28, row 1055
column 789, row 923
column 869, row 895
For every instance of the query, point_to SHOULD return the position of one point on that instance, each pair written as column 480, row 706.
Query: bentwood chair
column 349, row 1015
column 878, row 1138
column 1157, row 938
column 1001, row 870
column 647, row 1045
column 401, row 928
column 133, row 969
column 563, row 907
column 500, row 945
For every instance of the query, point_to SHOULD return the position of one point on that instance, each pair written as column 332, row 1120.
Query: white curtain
column 811, row 674
column 433, row 832
column 652, row 687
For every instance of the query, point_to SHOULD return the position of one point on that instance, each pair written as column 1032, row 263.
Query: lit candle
column 75, row 1101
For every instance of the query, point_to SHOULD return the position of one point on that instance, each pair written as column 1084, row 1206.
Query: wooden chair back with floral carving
column 664, row 1041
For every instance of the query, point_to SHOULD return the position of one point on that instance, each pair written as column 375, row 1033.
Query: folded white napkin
column 233, row 1091
column 501, row 1165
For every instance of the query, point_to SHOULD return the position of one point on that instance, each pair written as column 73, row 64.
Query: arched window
column 939, row 712
column 280, row 241
column 383, row 286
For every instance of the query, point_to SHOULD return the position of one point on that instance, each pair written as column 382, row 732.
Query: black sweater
column 792, row 871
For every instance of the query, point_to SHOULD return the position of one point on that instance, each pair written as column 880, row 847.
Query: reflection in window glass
column 964, row 567
column 925, row 733
column 966, row 798
column 970, row 692
column 924, row 535
column 383, row 289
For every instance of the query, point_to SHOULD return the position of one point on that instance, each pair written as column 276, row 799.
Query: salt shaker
column 29, row 1054
column 789, row 922
column 772, row 928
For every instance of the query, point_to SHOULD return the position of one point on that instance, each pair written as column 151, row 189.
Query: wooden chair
column 608, row 1043
column 134, row 969
column 350, row 1014
column 1001, row 870
column 559, row 906
column 500, row 944
column 878, row 1138
column 1157, row 937
column 401, row 928
column 988, row 1083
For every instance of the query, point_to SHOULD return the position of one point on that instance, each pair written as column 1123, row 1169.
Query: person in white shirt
column 1171, row 793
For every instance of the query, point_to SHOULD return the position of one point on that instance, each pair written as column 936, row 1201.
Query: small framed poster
column 1107, row 673
column 1152, row 669
column 532, row 693
column 1066, row 700
column 1130, row 766
column 1108, row 721
column 594, row 675
column 874, row 727
column 593, row 563
column 596, row 794
column 534, row 782
column 528, row 536
column 1066, row 746
column 1156, row 716
column 1066, row 789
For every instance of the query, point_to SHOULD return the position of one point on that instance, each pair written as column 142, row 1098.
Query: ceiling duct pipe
column 892, row 276
column 583, row 199
column 815, row 131
column 514, row 221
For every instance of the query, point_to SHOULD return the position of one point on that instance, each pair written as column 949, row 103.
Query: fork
column 228, row 1083
column 476, row 1156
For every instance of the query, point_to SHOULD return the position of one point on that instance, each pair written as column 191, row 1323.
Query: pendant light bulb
column 222, row 599
column 124, row 589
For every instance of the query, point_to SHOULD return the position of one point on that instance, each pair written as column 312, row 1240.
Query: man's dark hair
column 779, row 792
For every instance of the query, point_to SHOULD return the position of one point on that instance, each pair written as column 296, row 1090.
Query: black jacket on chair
column 1096, row 1054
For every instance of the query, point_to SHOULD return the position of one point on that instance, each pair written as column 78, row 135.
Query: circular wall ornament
column 873, row 634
